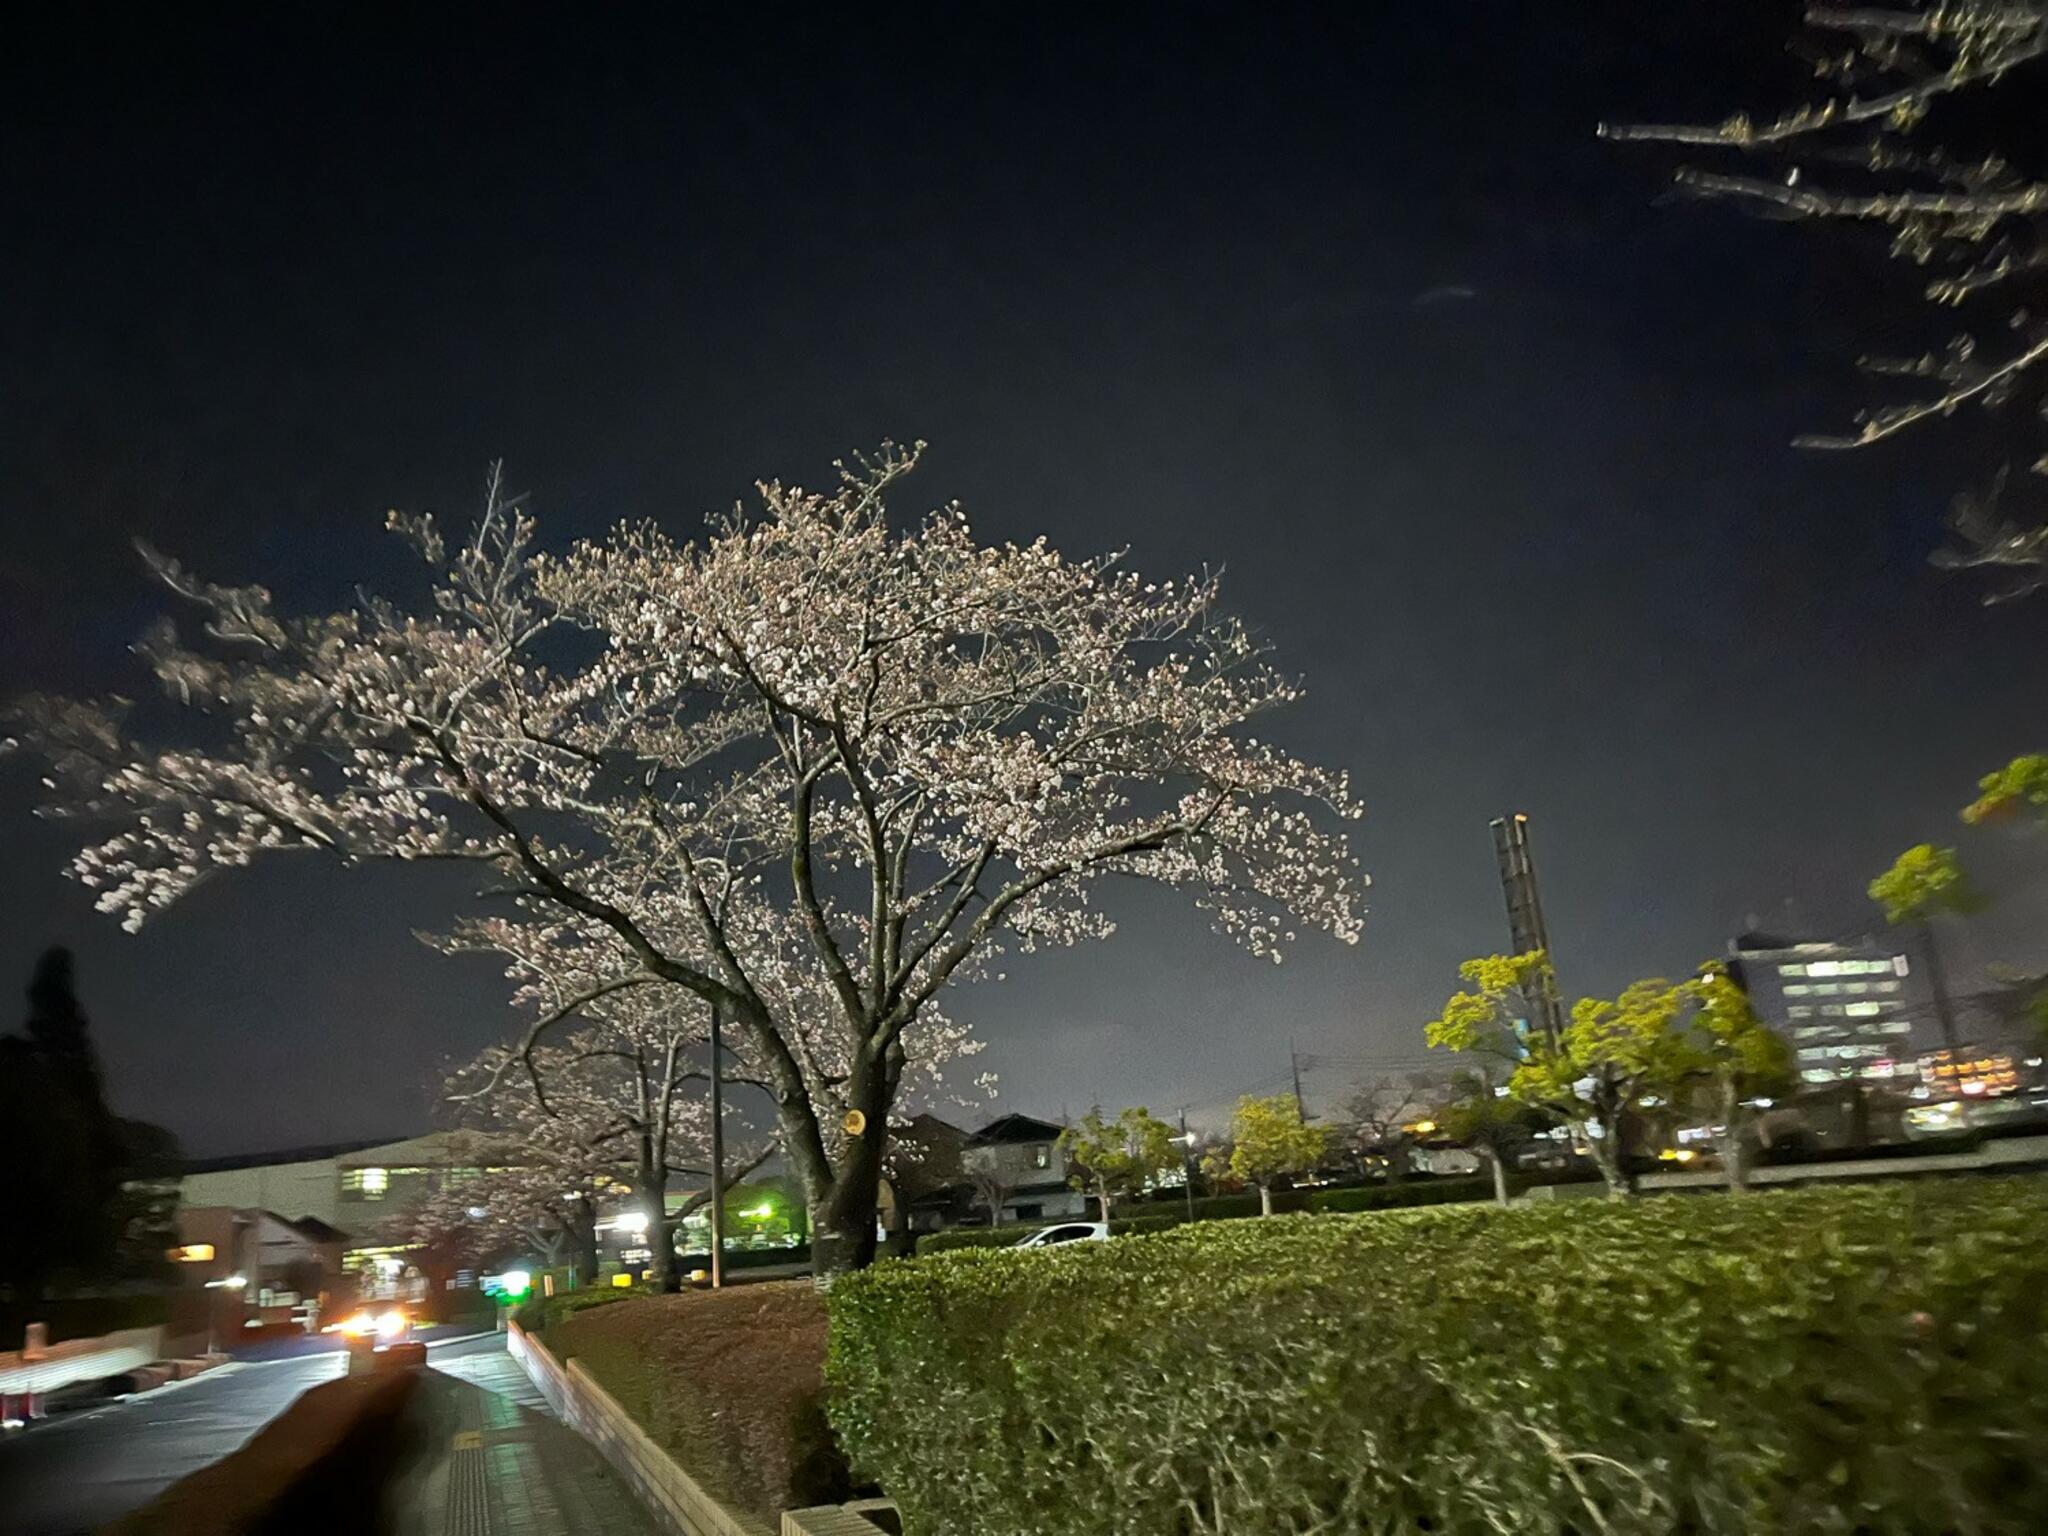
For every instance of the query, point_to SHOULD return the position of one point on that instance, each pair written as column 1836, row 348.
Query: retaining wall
column 675, row 1499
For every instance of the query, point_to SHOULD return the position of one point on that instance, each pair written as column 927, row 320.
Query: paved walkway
column 494, row 1462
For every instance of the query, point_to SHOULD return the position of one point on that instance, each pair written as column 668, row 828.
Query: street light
column 1186, row 1141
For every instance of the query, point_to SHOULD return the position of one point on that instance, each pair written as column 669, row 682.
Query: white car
column 1067, row 1232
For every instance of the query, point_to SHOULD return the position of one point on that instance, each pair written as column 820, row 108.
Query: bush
column 1866, row 1359
column 538, row 1313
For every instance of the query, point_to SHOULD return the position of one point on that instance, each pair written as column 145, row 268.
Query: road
column 77, row 1472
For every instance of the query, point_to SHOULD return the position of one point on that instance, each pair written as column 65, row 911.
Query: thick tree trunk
column 843, row 1215
column 661, row 1227
column 1265, row 1199
column 583, row 1234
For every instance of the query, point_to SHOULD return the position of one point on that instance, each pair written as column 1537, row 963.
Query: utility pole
column 1294, row 1066
column 717, row 1156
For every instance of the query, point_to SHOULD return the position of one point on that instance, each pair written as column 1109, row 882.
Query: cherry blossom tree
column 1920, row 131
column 521, row 1196
column 809, row 768
column 615, row 1103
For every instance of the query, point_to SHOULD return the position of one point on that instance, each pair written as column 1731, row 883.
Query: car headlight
column 390, row 1325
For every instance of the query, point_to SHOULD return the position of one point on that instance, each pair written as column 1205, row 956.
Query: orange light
column 191, row 1253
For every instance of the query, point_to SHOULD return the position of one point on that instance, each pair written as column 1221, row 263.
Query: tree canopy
column 810, row 768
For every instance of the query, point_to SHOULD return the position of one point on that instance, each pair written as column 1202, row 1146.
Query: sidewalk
column 492, row 1459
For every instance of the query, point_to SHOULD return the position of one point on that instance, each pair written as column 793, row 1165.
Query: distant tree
column 991, row 1186
column 1476, row 1112
column 619, row 1100
column 1269, row 1141
column 63, row 1210
column 1383, row 1113
column 1606, row 1061
column 1912, row 138
column 808, row 755
column 1739, row 1056
column 524, row 1198
column 2018, row 790
column 1926, row 882
column 1922, row 882
column 1119, row 1157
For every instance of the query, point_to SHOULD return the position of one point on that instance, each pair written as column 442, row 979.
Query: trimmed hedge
column 1868, row 1360
column 1157, row 1217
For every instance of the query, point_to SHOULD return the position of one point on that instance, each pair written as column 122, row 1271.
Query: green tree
column 2019, row 788
column 1478, row 1113
column 1926, row 882
column 1491, row 1020
column 1270, row 1141
column 1121, row 1156
column 1923, row 882
column 1739, row 1056
column 1493, row 1016
column 1605, row 1062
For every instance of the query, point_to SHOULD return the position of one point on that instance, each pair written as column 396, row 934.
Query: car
column 379, row 1340
column 1067, row 1232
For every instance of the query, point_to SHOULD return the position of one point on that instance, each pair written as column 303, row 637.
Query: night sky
column 1489, row 435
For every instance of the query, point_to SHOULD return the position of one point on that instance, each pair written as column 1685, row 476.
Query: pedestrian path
column 494, row 1462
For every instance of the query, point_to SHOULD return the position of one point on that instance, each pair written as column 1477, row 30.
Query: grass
column 727, row 1382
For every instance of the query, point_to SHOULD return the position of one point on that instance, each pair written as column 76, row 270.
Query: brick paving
column 494, row 1462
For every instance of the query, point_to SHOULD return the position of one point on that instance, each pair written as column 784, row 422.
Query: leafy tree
column 1121, row 1156
column 808, row 756
column 1739, row 1056
column 1478, row 1113
column 1269, row 1141
column 1923, row 881
column 2018, row 789
column 1921, row 134
column 1611, row 1055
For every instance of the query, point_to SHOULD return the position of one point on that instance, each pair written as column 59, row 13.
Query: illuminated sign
column 191, row 1253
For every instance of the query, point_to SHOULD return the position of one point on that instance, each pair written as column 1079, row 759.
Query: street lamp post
column 1186, row 1141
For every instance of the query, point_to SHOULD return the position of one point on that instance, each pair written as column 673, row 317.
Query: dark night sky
column 1143, row 275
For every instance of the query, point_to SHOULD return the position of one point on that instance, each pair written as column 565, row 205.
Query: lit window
column 1863, row 1010
column 1797, row 989
column 1791, row 970
column 1041, row 1156
column 191, row 1253
column 366, row 1183
column 1825, row 968
column 1800, row 1011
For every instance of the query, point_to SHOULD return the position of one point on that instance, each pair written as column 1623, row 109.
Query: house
column 926, row 1186
column 1018, row 1166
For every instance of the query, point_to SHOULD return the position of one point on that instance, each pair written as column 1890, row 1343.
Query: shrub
column 538, row 1313
column 1865, row 1359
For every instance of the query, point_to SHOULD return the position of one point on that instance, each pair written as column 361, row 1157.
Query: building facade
column 1019, row 1160
column 359, row 1192
column 1856, row 1011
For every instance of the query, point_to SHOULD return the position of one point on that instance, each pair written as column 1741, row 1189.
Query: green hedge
column 1159, row 1217
column 1868, row 1360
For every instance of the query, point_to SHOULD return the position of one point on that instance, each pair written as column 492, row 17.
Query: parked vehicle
column 1068, row 1232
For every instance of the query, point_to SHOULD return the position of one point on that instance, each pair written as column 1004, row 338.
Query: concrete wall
column 675, row 1499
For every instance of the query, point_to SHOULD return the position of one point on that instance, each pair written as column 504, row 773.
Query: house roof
column 1014, row 1130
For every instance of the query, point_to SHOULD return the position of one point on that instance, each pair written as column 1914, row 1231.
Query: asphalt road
column 77, row 1472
